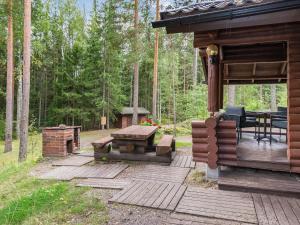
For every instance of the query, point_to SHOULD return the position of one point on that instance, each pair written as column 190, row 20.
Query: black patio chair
column 279, row 120
column 243, row 119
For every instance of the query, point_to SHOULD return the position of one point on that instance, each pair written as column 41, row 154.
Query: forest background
column 82, row 66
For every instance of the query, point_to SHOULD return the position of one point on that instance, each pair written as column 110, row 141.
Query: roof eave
column 229, row 14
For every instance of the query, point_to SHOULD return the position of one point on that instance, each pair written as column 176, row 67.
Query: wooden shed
column 124, row 119
column 243, row 42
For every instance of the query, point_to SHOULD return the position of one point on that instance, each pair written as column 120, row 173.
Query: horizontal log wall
column 227, row 143
column 294, row 104
column 220, row 149
column 200, row 142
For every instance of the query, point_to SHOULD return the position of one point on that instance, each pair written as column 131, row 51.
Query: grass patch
column 43, row 198
column 197, row 177
column 180, row 144
column 29, row 201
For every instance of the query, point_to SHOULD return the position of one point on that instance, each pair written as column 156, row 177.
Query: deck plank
column 217, row 204
column 260, row 182
column 73, row 161
column 152, row 194
column 184, row 219
column 276, row 210
column 107, row 171
column 162, row 173
column 183, row 161
column 103, row 183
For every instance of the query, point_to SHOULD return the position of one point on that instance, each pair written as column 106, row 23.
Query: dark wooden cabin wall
column 227, row 143
column 294, row 104
column 200, row 141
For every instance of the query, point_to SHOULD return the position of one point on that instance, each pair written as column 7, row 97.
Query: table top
column 135, row 132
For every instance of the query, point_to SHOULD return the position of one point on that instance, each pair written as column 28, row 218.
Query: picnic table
column 138, row 139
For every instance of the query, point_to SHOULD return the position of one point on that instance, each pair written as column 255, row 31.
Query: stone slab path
column 153, row 194
column 107, row 171
column 183, row 161
column 162, row 173
column 73, row 161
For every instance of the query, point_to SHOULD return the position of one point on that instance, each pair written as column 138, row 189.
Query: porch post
column 213, row 79
column 212, row 169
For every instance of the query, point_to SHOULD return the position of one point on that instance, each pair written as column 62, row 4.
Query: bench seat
column 165, row 146
column 101, row 145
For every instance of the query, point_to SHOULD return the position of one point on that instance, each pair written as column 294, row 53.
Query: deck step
column 258, row 181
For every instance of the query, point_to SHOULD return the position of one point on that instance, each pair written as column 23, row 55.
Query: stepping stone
column 103, row 183
column 153, row 194
column 73, row 161
column 183, row 161
column 162, row 173
column 227, row 205
column 106, row 171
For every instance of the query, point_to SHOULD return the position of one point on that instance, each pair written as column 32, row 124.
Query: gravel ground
column 126, row 214
column 129, row 215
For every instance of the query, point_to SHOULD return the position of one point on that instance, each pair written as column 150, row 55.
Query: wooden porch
column 263, row 155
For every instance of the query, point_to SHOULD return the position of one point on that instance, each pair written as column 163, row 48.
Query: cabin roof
column 208, row 6
column 129, row 111
column 223, row 11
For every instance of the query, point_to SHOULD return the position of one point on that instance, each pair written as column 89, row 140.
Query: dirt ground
column 120, row 214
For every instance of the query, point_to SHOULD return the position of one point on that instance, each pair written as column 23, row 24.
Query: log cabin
column 243, row 42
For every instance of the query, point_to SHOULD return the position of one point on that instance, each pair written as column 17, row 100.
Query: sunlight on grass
column 11, row 158
column 27, row 200
column 180, row 144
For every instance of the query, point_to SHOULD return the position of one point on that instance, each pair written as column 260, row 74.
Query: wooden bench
column 103, row 145
column 165, row 146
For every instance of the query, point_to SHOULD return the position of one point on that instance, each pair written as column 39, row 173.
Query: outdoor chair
column 243, row 119
column 279, row 120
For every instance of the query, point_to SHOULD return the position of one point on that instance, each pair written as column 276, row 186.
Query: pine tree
column 10, row 81
column 26, row 82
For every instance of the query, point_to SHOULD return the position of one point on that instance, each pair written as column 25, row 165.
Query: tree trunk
column 273, row 98
column 19, row 104
column 195, row 67
column 155, row 70
column 231, row 95
column 136, row 68
column 26, row 82
column 9, row 83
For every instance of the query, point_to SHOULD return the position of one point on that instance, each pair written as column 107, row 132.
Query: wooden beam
column 283, row 68
column 226, row 70
column 254, row 69
column 231, row 62
column 251, row 35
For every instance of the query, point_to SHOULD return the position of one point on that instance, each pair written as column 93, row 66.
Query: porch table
column 265, row 116
column 134, row 139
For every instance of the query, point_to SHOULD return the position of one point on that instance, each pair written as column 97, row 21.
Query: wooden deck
column 260, row 182
column 185, row 219
column 263, row 155
column 108, row 171
column 274, row 210
column 153, row 194
column 162, row 173
column 226, row 205
column 183, row 161
column 73, row 161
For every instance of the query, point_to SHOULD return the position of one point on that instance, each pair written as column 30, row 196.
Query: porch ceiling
column 253, row 64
